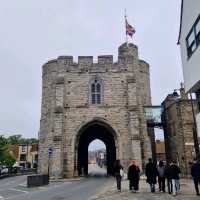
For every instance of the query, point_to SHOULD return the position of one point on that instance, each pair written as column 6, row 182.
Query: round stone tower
column 127, row 49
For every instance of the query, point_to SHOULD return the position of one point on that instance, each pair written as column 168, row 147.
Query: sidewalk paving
column 187, row 192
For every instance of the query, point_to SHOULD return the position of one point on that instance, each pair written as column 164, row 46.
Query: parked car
column 3, row 170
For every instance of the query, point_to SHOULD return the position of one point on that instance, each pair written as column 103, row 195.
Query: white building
column 189, row 40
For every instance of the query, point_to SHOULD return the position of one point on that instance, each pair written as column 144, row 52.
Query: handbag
column 121, row 172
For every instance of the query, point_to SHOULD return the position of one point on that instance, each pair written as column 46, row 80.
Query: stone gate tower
column 85, row 101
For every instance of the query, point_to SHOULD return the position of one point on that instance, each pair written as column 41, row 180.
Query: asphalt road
column 15, row 188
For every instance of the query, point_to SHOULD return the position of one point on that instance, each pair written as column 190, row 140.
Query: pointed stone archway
column 89, row 132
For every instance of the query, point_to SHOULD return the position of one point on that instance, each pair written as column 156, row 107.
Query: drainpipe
column 195, row 137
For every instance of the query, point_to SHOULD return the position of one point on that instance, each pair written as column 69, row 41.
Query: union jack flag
column 129, row 29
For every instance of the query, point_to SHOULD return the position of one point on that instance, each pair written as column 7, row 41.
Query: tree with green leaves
column 6, row 156
column 18, row 139
column 14, row 139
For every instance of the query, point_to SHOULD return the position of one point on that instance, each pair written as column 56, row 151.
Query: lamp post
column 26, row 165
column 195, row 136
column 50, row 152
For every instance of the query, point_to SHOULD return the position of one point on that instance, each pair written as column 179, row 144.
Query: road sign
column 50, row 151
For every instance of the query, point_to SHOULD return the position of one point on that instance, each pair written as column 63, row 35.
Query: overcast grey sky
column 34, row 31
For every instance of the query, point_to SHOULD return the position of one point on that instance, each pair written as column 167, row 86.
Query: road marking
column 24, row 185
column 18, row 190
column 42, row 188
column 2, row 198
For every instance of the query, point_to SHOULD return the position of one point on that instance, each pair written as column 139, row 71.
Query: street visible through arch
column 96, row 130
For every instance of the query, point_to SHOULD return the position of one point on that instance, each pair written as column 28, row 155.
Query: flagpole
column 125, row 28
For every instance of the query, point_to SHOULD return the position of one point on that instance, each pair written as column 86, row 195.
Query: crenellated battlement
column 66, row 59
column 85, row 61
column 105, row 59
column 127, row 53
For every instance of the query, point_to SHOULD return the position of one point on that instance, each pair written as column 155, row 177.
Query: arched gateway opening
column 88, row 133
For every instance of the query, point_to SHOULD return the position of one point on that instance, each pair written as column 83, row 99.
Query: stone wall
column 66, row 107
column 179, row 130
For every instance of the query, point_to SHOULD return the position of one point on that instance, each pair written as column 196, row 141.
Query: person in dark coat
column 151, row 174
column 195, row 172
column 169, row 180
column 117, row 168
column 173, row 174
column 161, row 176
column 133, row 176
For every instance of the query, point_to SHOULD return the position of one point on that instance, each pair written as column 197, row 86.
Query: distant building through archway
column 88, row 133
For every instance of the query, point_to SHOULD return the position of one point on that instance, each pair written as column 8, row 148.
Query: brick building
column 83, row 101
column 160, row 150
column 26, row 155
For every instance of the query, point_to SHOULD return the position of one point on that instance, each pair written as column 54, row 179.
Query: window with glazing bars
column 193, row 38
column 96, row 92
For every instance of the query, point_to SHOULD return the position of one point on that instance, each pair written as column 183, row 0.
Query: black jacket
column 151, row 173
column 172, row 172
column 195, row 170
column 133, row 172
column 117, row 169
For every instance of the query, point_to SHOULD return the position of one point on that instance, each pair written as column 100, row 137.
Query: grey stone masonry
column 178, row 130
column 67, row 107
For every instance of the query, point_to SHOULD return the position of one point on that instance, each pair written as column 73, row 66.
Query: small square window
column 23, row 157
column 23, row 148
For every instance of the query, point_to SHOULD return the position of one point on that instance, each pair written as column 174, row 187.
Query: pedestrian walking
column 151, row 174
column 161, row 176
column 195, row 172
column 133, row 176
column 173, row 173
column 118, row 170
column 169, row 180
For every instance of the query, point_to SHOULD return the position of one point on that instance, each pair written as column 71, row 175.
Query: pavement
column 95, row 187
column 110, row 192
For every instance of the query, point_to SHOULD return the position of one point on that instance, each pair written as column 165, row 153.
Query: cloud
column 34, row 31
